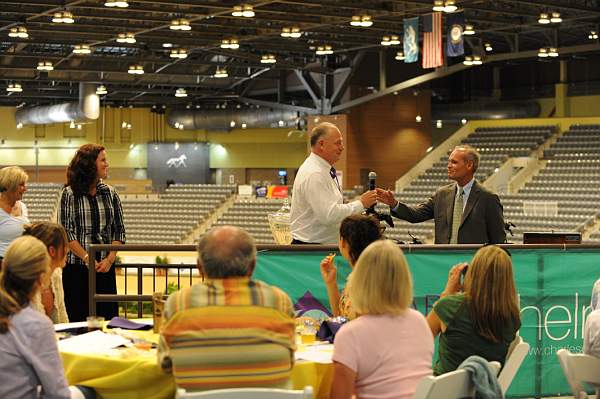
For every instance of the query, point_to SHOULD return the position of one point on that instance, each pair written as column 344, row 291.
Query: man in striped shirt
column 229, row 330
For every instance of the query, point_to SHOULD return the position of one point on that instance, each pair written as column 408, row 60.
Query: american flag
column 433, row 56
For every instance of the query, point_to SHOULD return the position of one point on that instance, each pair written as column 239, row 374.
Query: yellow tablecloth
column 140, row 377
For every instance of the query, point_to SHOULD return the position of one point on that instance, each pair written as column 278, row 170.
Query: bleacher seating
column 168, row 218
column 251, row 215
column 41, row 200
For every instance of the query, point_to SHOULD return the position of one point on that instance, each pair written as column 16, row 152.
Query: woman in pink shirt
column 388, row 348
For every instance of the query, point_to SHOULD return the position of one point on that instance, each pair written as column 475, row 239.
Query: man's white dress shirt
column 318, row 203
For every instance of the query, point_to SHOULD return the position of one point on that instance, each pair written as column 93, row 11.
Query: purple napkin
column 126, row 324
column 328, row 329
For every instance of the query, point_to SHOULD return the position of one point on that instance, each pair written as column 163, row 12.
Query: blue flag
column 455, row 43
column 411, row 40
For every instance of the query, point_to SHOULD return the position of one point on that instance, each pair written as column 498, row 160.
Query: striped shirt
column 228, row 333
column 92, row 219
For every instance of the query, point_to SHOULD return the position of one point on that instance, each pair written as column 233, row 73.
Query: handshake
column 371, row 197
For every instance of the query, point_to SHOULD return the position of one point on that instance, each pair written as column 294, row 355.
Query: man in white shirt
column 317, row 201
column 465, row 212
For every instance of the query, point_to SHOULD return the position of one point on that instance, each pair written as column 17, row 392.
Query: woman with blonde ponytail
column 30, row 358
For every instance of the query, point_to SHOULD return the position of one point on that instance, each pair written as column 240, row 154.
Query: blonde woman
column 50, row 300
column 388, row 348
column 30, row 358
column 12, row 188
column 481, row 320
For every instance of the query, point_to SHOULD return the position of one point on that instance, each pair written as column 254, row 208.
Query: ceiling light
column 543, row 52
column 296, row 33
column 14, row 88
column 385, row 41
column 244, row 125
column 324, row 50
column 221, row 73
column 488, row 47
column 126, row 37
column 19, row 125
column 463, row 121
column 232, row 124
column 438, row 5
column 136, row 69
column 366, row 21
column 399, row 56
column 81, row 49
column 116, row 3
column 355, row 21
column 18, row 31
column 248, row 11
column 180, row 24
column 394, row 40
column 45, row 66
column 477, row 60
column 553, row 52
column 268, row 59
column 543, row 19
column 555, row 18
column 418, row 118
column 101, row 90
column 286, row 32
column 230, row 44
column 237, row 11
column 438, row 124
column 79, row 126
column 167, row 45
column 469, row 30
column 468, row 60
column 181, row 92
column 64, row 17
column 450, row 6
column 178, row 53
column 72, row 126
column 593, row 35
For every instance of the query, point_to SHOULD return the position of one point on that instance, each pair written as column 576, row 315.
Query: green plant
column 161, row 260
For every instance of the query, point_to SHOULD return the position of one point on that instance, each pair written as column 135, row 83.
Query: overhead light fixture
column 293, row 32
column 72, row 126
column 399, row 56
column 544, row 19
column 45, row 66
column 385, row 41
column 450, row 6
column 477, row 60
column 394, row 40
column 180, row 24
column 438, row 5
column 553, row 52
column 19, row 125
column 555, row 18
column 268, row 59
column 543, row 52
column 232, row 124
column 167, row 45
column 19, row 32
column 286, row 32
column 248, row 11
column 469, row 30
column 101, row 90
column 438, row 124
column 237, row 11
column 82, row 49
column 181, row 92
column 418, row 118
column 463, row 121
column 63, row 17
column 232, row 44
column 136, row 69
column 324, row 50
column 593, row 35
column 221, row 73
column 363, row 21
column 116, row 3
column 468, row 60
column 14, row 88
column 126, row 37
column 244, row 125
column 178, row 53
column 488, row 47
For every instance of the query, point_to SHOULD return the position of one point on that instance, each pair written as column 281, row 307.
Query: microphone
column 372, row 177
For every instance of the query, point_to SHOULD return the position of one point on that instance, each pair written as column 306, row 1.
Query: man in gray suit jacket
column 479, row 221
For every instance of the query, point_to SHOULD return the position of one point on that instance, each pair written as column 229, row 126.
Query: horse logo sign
column 177, row 162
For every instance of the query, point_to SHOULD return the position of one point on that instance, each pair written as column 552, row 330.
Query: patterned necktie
column 457, row 215
column 333, row 174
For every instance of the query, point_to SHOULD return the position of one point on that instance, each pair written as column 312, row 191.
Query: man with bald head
column 228, row 330
column 465, row 212
column 318, row 206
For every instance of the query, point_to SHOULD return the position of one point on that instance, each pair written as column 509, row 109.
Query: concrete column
column 560, row 93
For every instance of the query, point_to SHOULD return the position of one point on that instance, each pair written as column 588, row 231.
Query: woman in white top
column 50, row 300
column 12, row 188
column 591, row 336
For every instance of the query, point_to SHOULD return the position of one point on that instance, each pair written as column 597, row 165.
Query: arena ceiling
column 510, row 26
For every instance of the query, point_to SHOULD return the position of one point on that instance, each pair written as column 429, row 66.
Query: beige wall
column 579, row 106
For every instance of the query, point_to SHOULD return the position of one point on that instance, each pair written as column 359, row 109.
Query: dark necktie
column 333, row 174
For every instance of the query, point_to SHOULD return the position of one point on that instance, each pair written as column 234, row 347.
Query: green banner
column 554, row 288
